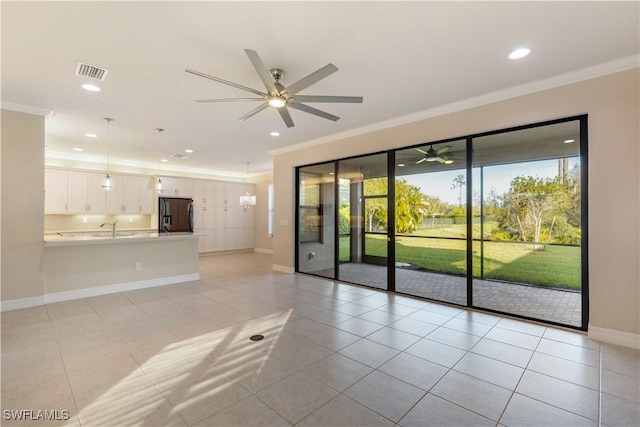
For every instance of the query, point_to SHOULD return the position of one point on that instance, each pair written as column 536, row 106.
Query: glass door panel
column 363, row 214
column 430, row 224
column 527, row 261
column 316, row 220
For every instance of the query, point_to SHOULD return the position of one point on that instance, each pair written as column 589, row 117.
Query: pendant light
column 247, row 199
column 159, row 184
column 107, row 184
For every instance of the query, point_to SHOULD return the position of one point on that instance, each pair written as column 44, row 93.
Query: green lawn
column 556, row 266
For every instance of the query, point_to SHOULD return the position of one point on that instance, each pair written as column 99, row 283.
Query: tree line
column 533, row 210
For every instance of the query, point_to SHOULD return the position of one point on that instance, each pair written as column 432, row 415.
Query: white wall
column 612, row 103
column 262, row 242
column 22, row 178
column 69, row 268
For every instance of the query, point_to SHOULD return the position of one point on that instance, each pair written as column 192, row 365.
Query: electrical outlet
column 84, row 220
column 130, row 220
column 138, row 266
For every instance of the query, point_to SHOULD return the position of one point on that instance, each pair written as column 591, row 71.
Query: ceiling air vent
column 86, row 70
column 180, row 156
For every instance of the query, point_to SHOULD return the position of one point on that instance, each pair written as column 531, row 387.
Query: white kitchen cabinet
column 234, row 190
column 85, row 193
column 204, row 192
column 208, row 192
column 131, row 194
column 174, row 187
column 212, row 240
column 146, row 187
column 225, row 224
column 55, row 191
column 116, row 194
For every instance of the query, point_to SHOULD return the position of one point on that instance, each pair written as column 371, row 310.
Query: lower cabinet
column 226, row 227
column 225, row 239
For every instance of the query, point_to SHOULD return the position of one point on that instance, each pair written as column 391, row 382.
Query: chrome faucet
column 112, row 225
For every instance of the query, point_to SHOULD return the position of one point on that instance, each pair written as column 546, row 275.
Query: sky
column 498, row 177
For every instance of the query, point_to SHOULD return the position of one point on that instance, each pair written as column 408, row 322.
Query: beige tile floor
column 333, row 354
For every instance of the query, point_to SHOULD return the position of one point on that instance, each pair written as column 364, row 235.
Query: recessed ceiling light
column 275, row 134
column 519, row 53
column 77, row 149
column 569, row 141
column 90, row 135
column 90, row 87
column 331, row 173
column 164, row 160
column 401, row 165
column 188, row 150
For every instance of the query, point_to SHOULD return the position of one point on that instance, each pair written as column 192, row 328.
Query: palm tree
column 411, row 207
column 459, row 182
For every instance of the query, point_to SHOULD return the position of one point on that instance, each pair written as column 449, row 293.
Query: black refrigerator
column 175, row 215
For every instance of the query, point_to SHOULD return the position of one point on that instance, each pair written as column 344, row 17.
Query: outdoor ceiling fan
column 438, row 155
column 279, row 96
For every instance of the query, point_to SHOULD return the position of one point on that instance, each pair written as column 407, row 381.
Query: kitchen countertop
column 99, row 238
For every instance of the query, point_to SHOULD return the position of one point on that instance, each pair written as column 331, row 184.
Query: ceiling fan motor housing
column 277, row 74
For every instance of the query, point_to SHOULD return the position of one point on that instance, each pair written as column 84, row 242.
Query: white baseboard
column 15, row 304
column 282, row 268
column 613, row 336
column 263, row 250
column 18, row 303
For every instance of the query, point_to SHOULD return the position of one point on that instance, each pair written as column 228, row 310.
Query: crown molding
column 20, row 108
column 588, row 73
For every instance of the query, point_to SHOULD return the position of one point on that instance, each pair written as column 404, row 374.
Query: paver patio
column 549, row 304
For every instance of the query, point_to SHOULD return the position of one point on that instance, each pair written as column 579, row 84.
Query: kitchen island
column 79, row 265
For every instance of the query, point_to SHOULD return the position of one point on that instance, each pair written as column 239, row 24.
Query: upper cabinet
column 85, row 193
column 55, row 191
column 77, row 192
column 175, row 187
column 131, row 194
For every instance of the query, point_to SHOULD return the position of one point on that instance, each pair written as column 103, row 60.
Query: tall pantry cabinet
column 226, row 224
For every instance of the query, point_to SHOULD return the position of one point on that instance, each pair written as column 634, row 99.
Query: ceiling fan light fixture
column 431, row 159
column 277, row 101
column 448, row 161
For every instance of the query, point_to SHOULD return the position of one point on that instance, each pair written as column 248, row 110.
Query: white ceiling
column 402, row 57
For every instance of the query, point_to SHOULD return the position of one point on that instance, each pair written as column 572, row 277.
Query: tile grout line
column 64, row 366
column 600, row 389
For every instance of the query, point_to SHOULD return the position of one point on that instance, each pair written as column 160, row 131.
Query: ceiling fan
column 279, row 96
column 439, row 155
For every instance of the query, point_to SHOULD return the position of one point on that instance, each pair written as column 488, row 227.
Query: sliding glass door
column 430, row 221
column 528, row 237
column 316, row 226
column 495, row 221
column 364, row 220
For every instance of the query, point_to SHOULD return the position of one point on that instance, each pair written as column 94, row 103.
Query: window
column 270, row 210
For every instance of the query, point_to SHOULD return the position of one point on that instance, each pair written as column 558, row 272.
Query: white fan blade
column 229, row 100
column 313, row 111
column 312, row 78
column 420, row 151
column 261, row 69
column 320, row 98
column 443, row 150
column 219, row 80
column 286, row 117
column 254, row 111
column 424, row 159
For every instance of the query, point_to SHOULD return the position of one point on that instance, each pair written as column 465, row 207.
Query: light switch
column 84, row 220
